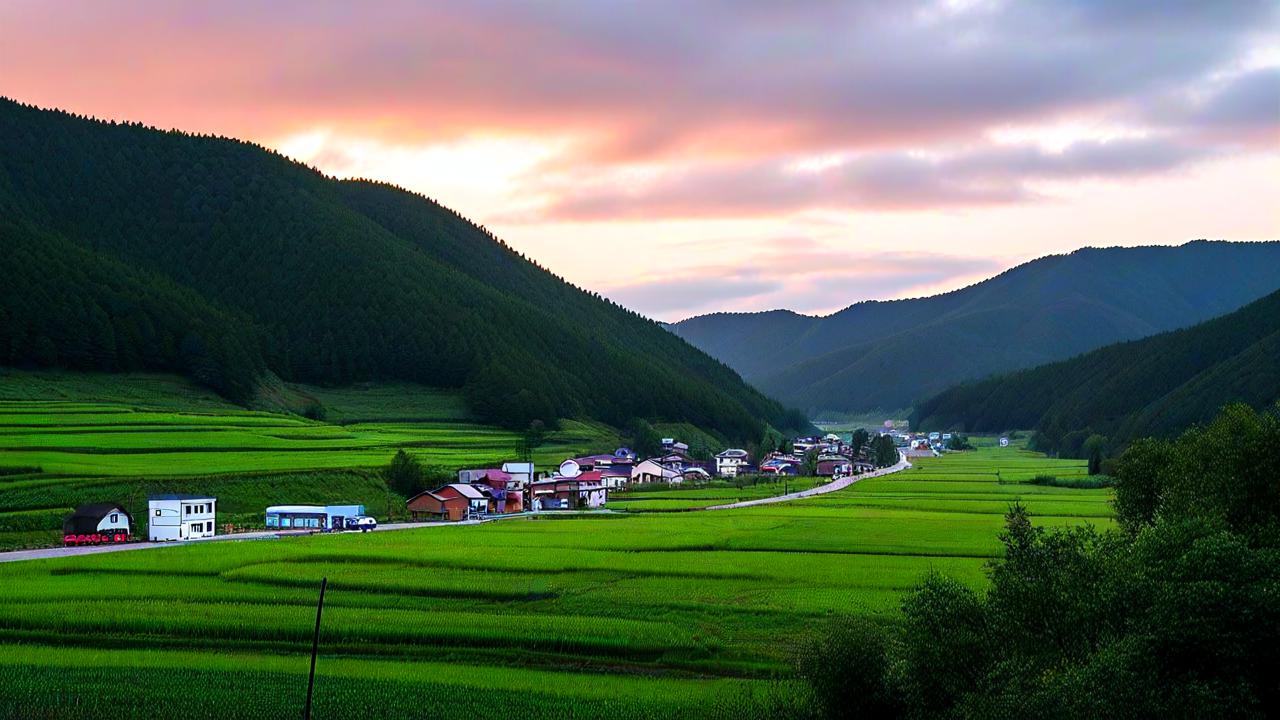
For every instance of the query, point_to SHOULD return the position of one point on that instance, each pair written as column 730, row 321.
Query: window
column 208, row 527
column 273, row 521
column 186, row 509
column 115, row 518
column 157, row 513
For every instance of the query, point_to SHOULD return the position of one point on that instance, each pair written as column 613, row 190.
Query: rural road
column 55, row 552
column 832, row 486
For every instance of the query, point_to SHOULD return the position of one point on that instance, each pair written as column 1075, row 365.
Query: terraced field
column 62, row 445
column 690, row 614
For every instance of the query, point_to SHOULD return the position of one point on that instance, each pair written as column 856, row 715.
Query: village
column 578, row 484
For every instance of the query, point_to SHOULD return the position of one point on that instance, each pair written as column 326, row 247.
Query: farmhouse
column 561, row 493
column 312, row 517
column 457, row 501
column 834, row 466
column 651, row 471
column 730, row 462
column 97, row 522
column 180, row 517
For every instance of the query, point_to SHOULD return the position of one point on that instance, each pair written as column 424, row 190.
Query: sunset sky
column 686, row 157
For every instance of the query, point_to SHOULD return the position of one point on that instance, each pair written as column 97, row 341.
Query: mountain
column 130, row 248
column 1155, row 386
column 890, row 355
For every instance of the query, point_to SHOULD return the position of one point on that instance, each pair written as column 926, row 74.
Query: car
column 364, row 523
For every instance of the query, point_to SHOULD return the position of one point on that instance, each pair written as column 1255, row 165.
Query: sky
column 686, row 157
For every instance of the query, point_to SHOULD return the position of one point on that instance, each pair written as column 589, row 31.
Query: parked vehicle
column 364, row 523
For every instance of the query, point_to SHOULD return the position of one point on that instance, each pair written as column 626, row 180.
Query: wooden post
column 315, row 644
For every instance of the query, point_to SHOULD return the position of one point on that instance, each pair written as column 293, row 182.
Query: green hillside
column 888, row 355
column 73, row 438
column 1155, row 386
column 137, row 249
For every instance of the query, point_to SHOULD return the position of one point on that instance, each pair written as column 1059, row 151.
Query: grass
column 642, row 614
column 71, row 438
column 635, row 614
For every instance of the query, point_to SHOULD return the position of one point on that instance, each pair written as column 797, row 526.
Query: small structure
column 615, row 477
column 456, row 501
column 97, row 523
column 651, row 471
column 834, row 466
column 730, row 462
column 180, row 517
column 521, row 473
column 578, row 493
column 312, row 517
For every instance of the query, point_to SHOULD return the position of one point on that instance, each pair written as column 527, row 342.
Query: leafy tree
column 404, row 475
column 958, row 442
column 859, row 439
column 809, row 466
column 847, row 666
column 1095, row 449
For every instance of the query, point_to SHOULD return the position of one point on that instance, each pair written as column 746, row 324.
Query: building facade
column 181, row 517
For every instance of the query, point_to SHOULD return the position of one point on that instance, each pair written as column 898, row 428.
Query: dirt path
column 832, row 486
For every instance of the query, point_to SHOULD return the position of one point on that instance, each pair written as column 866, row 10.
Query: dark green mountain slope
column 328, row 281
column 889, row 355
column 1154, row 386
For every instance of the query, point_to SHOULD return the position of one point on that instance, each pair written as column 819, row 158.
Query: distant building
column 180, row 517
column 730, row 462
column 312, row 517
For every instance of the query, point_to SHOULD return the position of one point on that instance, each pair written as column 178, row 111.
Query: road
column 43, row 553
column 832, row 486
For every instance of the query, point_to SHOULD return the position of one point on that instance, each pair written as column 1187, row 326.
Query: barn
column 450, row 502
column 97, row 522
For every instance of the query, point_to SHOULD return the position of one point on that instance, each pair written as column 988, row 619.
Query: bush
column 847, row 666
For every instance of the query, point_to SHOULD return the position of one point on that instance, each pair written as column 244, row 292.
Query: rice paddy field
column 638, row 614
column 67, row 439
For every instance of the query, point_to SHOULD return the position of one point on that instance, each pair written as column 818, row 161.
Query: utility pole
column 315, row 644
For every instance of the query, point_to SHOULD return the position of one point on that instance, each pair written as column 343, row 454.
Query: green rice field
column 67, row 439
column 684, row 614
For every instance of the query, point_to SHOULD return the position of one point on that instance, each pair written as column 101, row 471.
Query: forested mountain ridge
column 891, row 354
column 1159, row 385
column 223, row 260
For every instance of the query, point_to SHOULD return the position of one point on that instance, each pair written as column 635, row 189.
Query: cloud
column 798, row 273
column 990, row 175
column 634, row 82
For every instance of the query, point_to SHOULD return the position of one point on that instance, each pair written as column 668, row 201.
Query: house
column 672, row 445
column 180, row 517
column 834, row 466
column 97, row 523
column 521, row 473
column 430, row 506
column 577, row 493
column 804, row 444
column 651, row 471
column 312, row 517
column 778, row 464
column 616, row 477
column 456, row 501
column 730, row 462
column 694, row 475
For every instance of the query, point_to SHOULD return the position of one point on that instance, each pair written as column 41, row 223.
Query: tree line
column 1172, row 613
column 245, row 263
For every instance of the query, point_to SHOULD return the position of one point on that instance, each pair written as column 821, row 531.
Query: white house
column 521, row 473
column 651, row 471
column 730, row 461
column 180, row 517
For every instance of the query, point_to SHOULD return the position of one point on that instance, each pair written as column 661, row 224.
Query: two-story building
column 181, row 517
